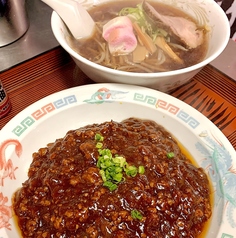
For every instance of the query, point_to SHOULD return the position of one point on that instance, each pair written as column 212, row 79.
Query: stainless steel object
column 13, row 21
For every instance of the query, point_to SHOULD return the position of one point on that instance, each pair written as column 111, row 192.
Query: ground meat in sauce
column 65, row 197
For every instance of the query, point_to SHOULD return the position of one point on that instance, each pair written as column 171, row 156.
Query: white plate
column 51, row 117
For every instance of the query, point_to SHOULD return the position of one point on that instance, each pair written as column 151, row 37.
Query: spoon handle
column 75, row 16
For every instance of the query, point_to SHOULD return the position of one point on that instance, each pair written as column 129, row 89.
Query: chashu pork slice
column 187, row 31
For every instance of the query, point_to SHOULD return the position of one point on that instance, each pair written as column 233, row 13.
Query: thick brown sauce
column 65, row 197
column 190, row 157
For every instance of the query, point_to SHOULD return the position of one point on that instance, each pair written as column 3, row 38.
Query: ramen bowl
column 53, row 116
column 206, row 12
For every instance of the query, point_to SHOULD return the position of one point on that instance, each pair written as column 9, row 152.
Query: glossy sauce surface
column 65, row 197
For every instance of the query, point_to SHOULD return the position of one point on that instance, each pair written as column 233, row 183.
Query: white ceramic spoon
column 77, row 19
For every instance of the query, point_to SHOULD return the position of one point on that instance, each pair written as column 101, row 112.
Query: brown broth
column 104, row 12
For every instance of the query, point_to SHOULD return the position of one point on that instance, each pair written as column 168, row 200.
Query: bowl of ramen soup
column 160, row 44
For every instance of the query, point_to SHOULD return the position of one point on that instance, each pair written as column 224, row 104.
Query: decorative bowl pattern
column 51, row 117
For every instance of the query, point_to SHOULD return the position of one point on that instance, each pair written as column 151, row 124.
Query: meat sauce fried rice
column 68, row 192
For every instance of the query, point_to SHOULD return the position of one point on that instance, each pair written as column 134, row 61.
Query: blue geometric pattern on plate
column 158, row 103
column 44, row 110
column 27, row 122
column 145, row 98
column 188, row 119
column 65, row 101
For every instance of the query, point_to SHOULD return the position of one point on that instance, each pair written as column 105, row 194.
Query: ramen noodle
column 143, row 36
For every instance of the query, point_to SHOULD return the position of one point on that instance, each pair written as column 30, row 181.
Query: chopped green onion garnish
column 112, row 168
column 119, row 160
column 99, row 137
column 138, row 15
column 110, row 185
column 170, row 155
column 117, row 177
column 135, row 214
column 99, row 145
column 131, row 170
column 102, row 173
column 141, row 169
